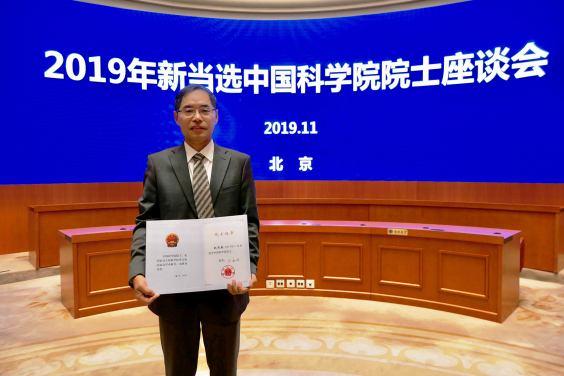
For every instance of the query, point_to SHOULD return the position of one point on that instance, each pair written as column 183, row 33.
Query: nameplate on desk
column 397, row 231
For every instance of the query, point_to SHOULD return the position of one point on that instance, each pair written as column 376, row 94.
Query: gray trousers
column 180, row 340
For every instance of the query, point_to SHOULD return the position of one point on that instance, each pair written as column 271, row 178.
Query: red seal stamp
column 228, row 272
column 172, row 240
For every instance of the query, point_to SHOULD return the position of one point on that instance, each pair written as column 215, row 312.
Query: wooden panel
column 342, row 261
column 401, row 266
column 100, row 278
column 494, row 275
column 559, row 243
column 464, row 274
column 337, row 189
column 116, row 272
column 14, row 200
column 110, row 307
column 518, row 193
column 345, row 294
column 335, row 212
column 430, row 290
column 83, row 206
column 508, row 262
column 285, row 259
column 69, row 292
column 33, row 238
column 313, row 237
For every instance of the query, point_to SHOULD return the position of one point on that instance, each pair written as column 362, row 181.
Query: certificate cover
column 197, row 254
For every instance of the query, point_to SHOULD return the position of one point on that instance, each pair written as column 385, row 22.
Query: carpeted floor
column 284, row 336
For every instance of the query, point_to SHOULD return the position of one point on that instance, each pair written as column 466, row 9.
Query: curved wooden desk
column 542, row 226
column 472, row 271
column 467, row 270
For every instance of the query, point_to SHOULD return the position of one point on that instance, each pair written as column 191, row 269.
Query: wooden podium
column 94, row 270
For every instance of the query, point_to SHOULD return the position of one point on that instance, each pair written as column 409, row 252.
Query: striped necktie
column 201, row 188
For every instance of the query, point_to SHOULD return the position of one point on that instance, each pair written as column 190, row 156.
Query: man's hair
column 190, row 88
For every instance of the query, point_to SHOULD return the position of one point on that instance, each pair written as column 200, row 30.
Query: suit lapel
column 219, row 168
column 180, row 166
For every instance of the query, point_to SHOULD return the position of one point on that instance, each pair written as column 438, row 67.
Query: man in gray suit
column 168, row 193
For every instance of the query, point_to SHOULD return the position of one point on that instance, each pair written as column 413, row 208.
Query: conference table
column 465, row 270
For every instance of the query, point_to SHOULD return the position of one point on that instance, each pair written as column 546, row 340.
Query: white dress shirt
column 207, row 152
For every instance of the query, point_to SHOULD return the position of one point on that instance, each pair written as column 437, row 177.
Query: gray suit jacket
column 167, row 194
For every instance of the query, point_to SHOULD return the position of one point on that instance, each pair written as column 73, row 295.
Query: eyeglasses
column 190, row 112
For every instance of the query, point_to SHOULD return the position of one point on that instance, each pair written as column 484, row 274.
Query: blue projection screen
column 467, row 92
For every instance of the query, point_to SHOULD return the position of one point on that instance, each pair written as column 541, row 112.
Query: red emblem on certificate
column 228, row 272
column 172, row 240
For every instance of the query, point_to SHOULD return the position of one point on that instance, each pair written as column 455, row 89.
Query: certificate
column 197, row 254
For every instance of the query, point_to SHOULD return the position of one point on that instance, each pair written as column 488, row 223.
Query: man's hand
column 235, row 288
column 142, row 292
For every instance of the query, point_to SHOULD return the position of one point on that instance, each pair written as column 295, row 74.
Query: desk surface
column 463, row 233
column 423, row 203
column 328, row 201
column 82, row 206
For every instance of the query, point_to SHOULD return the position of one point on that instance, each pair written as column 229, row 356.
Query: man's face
column 198, row 129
